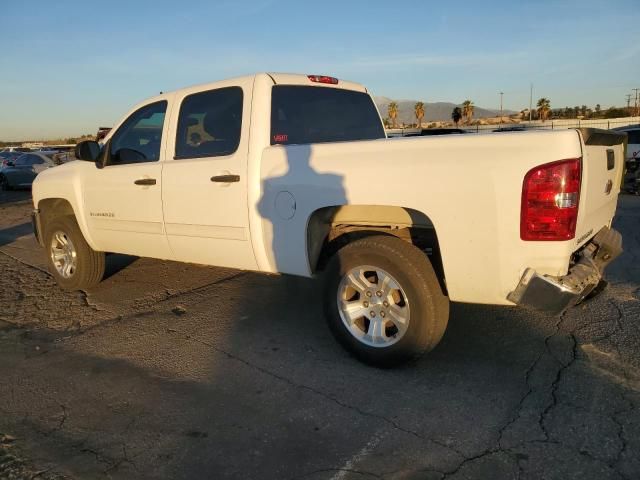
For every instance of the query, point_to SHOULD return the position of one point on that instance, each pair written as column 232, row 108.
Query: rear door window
column 301, row 115
column 210, row 124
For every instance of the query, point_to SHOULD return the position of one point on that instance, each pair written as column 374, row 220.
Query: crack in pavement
column 338, row 471
column 530, row 389
column 542, row 417
column 331, row 398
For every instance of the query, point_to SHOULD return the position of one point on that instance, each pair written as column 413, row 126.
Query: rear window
column 302, row 114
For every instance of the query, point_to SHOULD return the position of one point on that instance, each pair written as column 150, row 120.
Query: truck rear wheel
column 72, row 262
column 383, row 301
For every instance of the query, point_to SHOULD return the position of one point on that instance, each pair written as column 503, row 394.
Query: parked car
column 21, row 172
column 6, row 157
column 102, row 132
column 293, row 174
column 57, row 156
column 16, row 149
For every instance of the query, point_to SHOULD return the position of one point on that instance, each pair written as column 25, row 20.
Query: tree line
column 543, row 111
column 419, row 110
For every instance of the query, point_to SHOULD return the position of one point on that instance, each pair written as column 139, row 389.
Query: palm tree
column 456, row 115
column 418, row 109
column 544, row 107
column 467, row 110
column 392, row 110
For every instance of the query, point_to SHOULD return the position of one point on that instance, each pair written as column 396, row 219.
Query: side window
column 210, row 123
column 35, row 160
column 138, row 138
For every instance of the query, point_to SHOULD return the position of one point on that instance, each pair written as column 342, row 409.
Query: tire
column 418, row 300
column 89, row 265
column 4, row 184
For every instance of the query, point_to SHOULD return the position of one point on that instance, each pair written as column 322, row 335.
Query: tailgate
column 603, row 159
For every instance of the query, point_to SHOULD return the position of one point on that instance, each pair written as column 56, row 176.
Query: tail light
column 323, row 79
column 550, row 198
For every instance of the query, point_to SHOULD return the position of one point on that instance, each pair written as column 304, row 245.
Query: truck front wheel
column 383, row 301
column 72, row 262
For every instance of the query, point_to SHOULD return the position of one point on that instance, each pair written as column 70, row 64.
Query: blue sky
column 70, row 66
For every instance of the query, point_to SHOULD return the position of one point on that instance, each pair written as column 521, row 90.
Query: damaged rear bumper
column 555, row 294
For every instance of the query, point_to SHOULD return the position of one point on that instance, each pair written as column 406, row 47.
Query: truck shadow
column 11, row 234
column 288, row 201
column 115, row 262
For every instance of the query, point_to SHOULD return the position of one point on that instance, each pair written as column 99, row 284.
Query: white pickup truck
column 293, row 174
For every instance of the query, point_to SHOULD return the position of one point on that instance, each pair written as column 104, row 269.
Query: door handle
column 226, row 178
column 145, row 181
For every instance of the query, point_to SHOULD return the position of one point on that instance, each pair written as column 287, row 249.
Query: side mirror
column 87, row 150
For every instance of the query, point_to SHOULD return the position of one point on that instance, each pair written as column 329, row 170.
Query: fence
column 562, row 124
column 559, row 124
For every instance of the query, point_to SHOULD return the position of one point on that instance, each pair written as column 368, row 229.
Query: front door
column 205, row 183
column 123, row 200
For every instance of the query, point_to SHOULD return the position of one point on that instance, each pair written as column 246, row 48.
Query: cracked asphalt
column 168, row 370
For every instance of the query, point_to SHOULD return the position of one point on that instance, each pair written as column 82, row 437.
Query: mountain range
column 433, row 112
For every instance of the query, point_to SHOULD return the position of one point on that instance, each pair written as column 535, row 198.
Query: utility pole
column 635, row 105
column 501, row 94
column 628, row 95
column 530, row 101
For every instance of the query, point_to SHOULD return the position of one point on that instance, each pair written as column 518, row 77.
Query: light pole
column 501, row 94
column 530, row 101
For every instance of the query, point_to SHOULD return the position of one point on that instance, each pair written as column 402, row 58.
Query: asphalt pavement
column 177, row 371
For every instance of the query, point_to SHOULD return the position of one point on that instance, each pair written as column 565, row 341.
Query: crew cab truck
column 293, row 174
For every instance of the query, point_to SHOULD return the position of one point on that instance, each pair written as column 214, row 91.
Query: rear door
column 205, row 179
column 602, row 169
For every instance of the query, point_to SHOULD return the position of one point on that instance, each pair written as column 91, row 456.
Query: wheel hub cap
column 373, row 306
column 63, row 254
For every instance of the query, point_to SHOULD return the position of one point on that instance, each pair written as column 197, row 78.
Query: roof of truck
column 279, row 79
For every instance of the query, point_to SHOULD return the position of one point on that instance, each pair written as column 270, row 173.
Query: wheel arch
column 54, row 207
column 330, row 228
